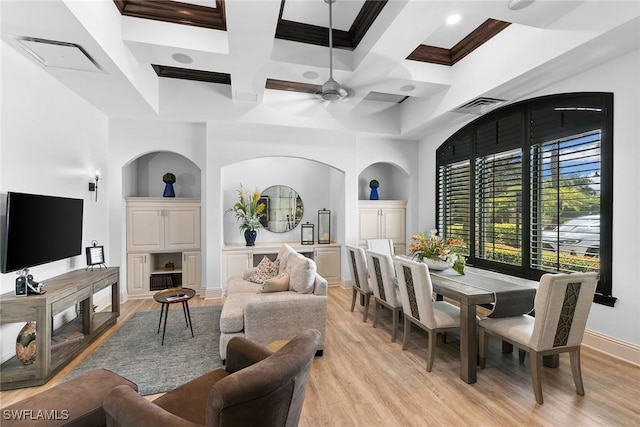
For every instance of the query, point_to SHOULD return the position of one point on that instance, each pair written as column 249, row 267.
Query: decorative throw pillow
column 283, row 256
column 280, row 283
column 303, row 274
column 264, row 270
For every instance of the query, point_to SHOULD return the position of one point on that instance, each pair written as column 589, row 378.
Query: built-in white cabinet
column 328, row 263
column 383, row 219
column 156, row 224
column 163, row 244
column 238, row 258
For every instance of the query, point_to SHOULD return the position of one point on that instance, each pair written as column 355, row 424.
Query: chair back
column 382, row 276
column 268, row 393
column 561, row 307
column 416, row 290
column 384, row 246
column 358, row 266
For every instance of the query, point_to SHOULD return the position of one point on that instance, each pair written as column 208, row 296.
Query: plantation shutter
column 498, row 187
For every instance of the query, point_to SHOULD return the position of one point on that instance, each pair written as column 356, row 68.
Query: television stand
column 55, row 349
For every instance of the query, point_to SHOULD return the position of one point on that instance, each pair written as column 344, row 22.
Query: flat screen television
column 39, row 229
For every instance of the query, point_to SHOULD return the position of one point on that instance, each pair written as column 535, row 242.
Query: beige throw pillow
column 303, row 274
column 280, row 283
column 265, row 270
column 283, row 256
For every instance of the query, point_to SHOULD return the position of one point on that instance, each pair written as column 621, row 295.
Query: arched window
column 529, row 188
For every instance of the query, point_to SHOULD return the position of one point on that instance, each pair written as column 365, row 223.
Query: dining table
column 506, row 295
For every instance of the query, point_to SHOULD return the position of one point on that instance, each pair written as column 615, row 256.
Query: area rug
column 134, row 350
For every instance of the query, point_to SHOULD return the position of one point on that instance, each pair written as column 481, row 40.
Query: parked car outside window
column 579, row 236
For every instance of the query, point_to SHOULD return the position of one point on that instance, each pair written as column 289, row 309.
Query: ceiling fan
column 331, row 90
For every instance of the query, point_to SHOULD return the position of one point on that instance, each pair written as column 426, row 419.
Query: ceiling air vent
column 57, row 54
column 479, row 105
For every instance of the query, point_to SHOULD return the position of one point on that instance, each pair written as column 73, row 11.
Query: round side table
column 174, row 296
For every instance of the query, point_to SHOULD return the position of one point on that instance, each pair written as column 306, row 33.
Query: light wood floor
column 364, row 379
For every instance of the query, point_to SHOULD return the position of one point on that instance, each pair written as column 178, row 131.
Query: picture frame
column 95, row 256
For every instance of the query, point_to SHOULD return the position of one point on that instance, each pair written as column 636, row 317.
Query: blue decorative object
column 250, row 237
column 168, row 190
column 374, row 194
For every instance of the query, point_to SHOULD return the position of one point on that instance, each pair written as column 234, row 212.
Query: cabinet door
column 191, row 270
column 369, row 224
column 234, row 263
column 328, row 263
column 145, row 229
column 393, row 225
column 138, row 272
column 181, row 228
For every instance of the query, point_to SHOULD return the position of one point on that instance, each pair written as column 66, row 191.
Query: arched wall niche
column 318, row 184
column 394, row 181
column 142, row 176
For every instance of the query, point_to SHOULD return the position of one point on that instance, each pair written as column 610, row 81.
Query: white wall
column 52, row 141
column 310, row 179
column 129, row 140
column 622, row 77
column 151, row 167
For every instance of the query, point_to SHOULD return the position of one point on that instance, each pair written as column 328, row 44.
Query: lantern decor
column 306, row 234
column 324, row 226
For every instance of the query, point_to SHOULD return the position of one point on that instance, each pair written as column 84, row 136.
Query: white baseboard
column 212, row 293
column 347, row 284
column 612, row 346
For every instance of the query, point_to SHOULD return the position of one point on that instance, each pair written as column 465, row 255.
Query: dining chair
column 419, row 307
column 561, row 308
column 384, row 246
column 383, row 283
column 358, row 266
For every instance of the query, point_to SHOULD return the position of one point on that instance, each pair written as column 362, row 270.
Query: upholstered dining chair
column 256, row 388
column 416, row 293
column 358, row 266
column 561, row 307
column 384, row 246
column 385, row 292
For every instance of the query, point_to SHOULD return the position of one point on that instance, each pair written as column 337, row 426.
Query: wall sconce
column 93, row 186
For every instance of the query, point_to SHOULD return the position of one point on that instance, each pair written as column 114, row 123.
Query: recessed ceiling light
column 182, row 58
column 311, row 75
column 453, row 19
column 407, row 88
column 518, row 4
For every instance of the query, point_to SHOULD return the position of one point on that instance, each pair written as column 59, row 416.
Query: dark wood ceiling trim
column 477, row 38
column 292, row 86
column 432, row 54
column 313, row 34
column 189, row 74
column 471, row 42
column 368, row 14
column 176, row 12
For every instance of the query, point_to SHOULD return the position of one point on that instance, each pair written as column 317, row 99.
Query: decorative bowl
column 437, row 265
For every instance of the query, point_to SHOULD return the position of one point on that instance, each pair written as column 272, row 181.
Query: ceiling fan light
column 331, row 90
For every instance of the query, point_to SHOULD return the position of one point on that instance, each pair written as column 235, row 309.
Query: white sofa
column 263, row 313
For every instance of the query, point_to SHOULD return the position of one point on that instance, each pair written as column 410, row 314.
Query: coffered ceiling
column 405, row 69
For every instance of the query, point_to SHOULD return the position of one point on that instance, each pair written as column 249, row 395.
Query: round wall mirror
column 283, row 208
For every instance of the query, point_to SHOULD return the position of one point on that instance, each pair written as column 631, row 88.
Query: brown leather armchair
column 257, row 387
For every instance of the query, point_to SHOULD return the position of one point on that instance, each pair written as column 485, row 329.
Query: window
column 528, row 188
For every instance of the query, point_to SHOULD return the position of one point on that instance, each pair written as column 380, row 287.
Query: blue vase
column 374, row 194
column 168, row 190
column 250, row 237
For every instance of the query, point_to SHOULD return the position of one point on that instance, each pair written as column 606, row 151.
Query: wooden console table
column 54, row 349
